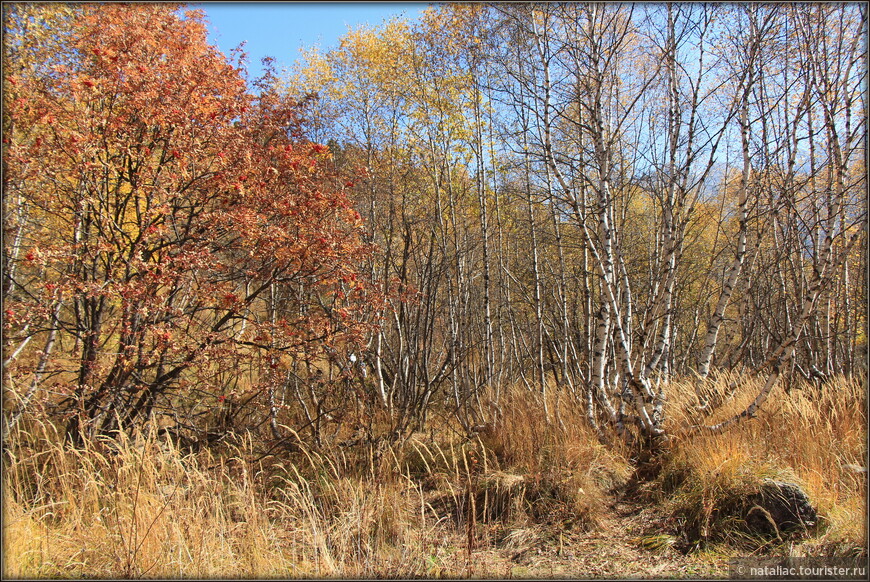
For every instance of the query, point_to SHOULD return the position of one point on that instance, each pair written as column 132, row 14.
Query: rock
column 779, row 508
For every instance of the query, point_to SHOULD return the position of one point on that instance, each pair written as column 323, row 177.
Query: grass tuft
column 812, row 436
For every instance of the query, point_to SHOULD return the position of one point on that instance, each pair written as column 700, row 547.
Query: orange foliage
column 185, row 226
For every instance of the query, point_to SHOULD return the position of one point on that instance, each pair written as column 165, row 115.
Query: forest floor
column 629, row 541
column 535, row 502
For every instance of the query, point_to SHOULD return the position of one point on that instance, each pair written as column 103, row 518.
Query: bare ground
column 628, row 542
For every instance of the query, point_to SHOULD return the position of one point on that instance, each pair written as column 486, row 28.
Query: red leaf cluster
column 173, row 215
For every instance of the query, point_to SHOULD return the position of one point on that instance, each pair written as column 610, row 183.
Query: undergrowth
column 814, row 437
column 142, row 506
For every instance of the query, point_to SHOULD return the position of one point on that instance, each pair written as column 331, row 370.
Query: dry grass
column 143, row 507
column 568, row 471
column 814, row 436
column 521, row 472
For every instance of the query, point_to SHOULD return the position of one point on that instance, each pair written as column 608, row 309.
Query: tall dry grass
column 522, row 472
column 558, row 453
column 812, row 435
column 143, row 508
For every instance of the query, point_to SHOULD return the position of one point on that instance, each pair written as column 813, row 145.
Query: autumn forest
column 455, row 298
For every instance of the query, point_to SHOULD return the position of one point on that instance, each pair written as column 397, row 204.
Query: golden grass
column 143, row 507
column 814, row 436
column 567, row 469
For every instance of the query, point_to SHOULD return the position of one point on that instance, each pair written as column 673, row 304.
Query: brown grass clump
column 520, row 470
column 568, row 474
column 813, row 436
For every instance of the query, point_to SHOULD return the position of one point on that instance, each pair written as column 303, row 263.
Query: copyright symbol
column 741, row 570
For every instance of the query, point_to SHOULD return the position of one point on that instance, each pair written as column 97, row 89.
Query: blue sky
column 280, row 29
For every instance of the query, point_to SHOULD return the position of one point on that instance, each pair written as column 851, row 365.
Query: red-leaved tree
column 174, row 246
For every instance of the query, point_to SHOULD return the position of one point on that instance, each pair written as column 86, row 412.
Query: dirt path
column 628, row 543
